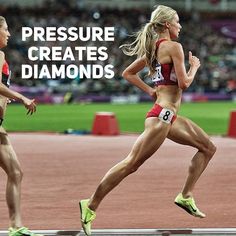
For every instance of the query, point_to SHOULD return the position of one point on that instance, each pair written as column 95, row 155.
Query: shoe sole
column 82, row 223
column 187, row 210
column 80, row 207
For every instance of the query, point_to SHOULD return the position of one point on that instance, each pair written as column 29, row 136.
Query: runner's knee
column 209, row 149
column 15, row 175
column 212, row 149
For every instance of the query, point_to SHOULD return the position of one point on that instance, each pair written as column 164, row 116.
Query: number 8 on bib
column 166, row 115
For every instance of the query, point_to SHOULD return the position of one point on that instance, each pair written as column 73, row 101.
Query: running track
column 61, row 169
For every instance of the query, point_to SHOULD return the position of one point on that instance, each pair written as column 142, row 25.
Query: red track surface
column 60, row 170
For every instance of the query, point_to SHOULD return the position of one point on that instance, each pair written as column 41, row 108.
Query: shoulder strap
column 159, row 42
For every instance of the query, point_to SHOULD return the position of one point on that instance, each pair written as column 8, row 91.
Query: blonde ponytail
column 144, row 44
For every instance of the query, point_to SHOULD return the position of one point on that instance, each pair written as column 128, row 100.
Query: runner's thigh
column 185, row 131
column 8, row 158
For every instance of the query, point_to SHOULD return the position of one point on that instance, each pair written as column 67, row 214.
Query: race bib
column 158, row 75
column 166, row 115
column 9, row 79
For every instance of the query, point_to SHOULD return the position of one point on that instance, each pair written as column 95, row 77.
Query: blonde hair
column 2, row 20
column 144, row 44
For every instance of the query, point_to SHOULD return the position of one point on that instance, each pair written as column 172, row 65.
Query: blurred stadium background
column 209, row 31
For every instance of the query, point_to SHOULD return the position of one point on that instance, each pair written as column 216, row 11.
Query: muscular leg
column 184, row 131
column 10, row 164
column 148, row 142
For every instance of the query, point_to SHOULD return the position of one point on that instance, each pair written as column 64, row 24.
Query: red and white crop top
column 165, row 74
column 6, row 74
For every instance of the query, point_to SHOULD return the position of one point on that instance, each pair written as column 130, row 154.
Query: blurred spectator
column 217, row 53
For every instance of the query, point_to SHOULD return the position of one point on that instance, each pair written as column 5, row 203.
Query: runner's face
column 4, row 35
column 175, row 27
